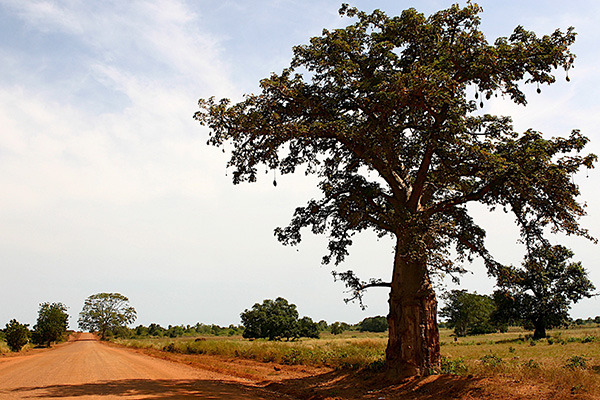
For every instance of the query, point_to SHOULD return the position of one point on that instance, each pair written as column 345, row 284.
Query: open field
column 494, row 367
column 568, row 361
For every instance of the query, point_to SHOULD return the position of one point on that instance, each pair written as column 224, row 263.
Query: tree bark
column 540, row 329
column 413, row 347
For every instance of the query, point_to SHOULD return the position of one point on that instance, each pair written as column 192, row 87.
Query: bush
column 17, row 335
column 531, row 364
column 576, row 362
column 454, row 367
column 491, row 360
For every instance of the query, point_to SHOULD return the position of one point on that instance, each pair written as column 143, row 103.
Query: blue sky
column 108, row 185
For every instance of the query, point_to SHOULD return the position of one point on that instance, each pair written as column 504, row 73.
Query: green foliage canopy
column 389, row 95
column 540, row 292
column 468, row 313
column 276, row 319
column 374, row 324
column 52, row 324
column 104, row 312
column 17, row 335
column 336, row 328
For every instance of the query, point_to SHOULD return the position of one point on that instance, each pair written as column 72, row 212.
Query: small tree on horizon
column 539, row 294
column 337, row 328
column 308, row 328
column 104, row 312
column 273, row 319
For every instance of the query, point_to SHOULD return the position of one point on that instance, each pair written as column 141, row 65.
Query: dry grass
column 569, row 359
column 339, row 352
column 3, row 347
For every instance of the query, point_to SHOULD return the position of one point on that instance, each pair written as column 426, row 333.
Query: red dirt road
column 87, row 369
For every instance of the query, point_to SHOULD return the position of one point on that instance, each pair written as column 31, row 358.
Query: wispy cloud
column 142, row 147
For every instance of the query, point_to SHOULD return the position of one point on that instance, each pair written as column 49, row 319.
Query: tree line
column 109, row 314
column 51, row 326
column 103, row 313
column 272, row 319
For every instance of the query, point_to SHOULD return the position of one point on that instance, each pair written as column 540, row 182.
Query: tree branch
column 420, row 179
column 356, row 287
column 474, row 196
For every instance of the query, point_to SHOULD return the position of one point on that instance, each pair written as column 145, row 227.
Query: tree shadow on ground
column 372, row 385
column 163, row 389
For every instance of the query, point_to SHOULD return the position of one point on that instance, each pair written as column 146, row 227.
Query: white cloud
column 106, row 179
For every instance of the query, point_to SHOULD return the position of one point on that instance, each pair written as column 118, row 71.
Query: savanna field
column 503, row 366
column 569, row 358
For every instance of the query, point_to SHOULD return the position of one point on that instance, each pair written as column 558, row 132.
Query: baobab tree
column 380, row 112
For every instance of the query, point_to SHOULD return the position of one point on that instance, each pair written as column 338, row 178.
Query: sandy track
column 87, row 369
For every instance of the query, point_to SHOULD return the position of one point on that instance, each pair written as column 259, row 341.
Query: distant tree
column 539, row 293
column 122, row 332
column 336, row 328
column 51, row 325
column 16, row 335
column 142, row 331
column 273, row 319
column 323, row 325
column 175, row 331
column 156, row 330
column 373, row 324
column 234, row 330
column 308, row 328
column 103, row 312
column 385, row 113
column 468, row 313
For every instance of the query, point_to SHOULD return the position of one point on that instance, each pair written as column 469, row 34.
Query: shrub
column 576, row 362
column 170, row 348
column 531, row 364
column 454, row 367
column 491, row 360
column 17, row 335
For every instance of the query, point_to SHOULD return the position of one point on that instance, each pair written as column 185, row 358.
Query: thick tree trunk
column 414, row 345
column 540, row 329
